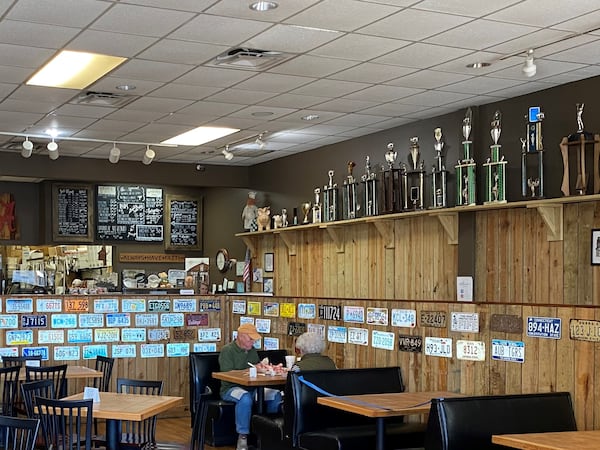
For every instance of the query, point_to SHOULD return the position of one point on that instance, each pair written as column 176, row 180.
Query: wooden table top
column 387, row 404
column 565, row 440
column 72, row 372
column 135, row 407
column 242, row 378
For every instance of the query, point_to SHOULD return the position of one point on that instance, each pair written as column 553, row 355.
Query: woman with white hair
column 310, row 347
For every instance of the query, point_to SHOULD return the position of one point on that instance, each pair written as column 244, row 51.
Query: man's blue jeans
column 244, row 399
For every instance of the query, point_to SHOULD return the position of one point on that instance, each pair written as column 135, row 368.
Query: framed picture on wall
column 269, row 259
column 183, row 223
column 595, row 247
column 72, row 212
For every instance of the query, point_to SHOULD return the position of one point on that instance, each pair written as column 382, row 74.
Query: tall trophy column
column 532, row 173
column 413, row 180
column 349, row 193
column 392, row 189
column 465, row 169
column 495, row 166
column 330, row 200
column 369, row 181
column 439, row 174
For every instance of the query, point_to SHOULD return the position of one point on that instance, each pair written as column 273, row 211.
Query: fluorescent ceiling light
column 200, row 135
column 74, row 70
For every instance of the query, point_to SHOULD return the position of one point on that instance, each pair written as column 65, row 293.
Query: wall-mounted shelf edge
column 386, row 230
column 290, row 239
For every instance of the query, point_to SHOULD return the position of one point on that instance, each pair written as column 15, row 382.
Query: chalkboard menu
column 129, row 213
column 72, row 211
column 184, row 227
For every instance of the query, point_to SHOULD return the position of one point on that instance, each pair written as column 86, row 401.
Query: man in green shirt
column 235, row 356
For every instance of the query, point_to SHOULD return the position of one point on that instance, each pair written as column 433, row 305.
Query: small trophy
column 369, row 181
column 465, row 169
column 349, row 191
column 412, row 180
column 533, row 186
column 495, row 166
column 439, row 174
column 330, row 202
column 392, row 188
column 305, row 207
column 317, row 206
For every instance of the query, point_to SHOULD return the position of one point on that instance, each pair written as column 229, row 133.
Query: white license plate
column 504, row 350
column 441, row 347
column 470, row 350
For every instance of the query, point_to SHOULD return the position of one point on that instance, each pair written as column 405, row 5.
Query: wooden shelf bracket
column 289, row 239
column 553, row 218
column 250, row 244
column 337, row 235
column 449, row 221
column 386, row 230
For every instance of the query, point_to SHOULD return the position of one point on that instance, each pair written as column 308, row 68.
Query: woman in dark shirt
column 310, row 346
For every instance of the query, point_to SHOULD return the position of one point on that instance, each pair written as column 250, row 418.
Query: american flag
column 247, row 270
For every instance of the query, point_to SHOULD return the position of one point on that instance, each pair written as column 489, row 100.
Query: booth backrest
column 306, row 414
column 202, row 365
column 275, row 356
column 468, row 423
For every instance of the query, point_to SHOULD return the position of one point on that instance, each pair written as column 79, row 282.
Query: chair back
column 9, row 361
column 66, row 424
column 139, row 434
column 9, row 383
column 32, row 389
column 199, row 426
column 19, row 433
column 56, row 373
column 202, row 365
column 104, row 365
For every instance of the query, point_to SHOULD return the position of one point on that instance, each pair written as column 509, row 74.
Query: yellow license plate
column 77, row 305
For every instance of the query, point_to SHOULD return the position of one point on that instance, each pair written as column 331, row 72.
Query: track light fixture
column 259, row 141
column 53, row 155
column 52, row 149
column 149, row 155
column 115, row 154
column 529, row 68
column 27, row 148
column 227, row 154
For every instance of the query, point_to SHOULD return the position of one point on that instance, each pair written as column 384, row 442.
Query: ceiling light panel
column 200, row 135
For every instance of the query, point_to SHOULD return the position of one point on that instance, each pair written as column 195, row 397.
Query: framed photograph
column 183, row 223
column 595, row 247
column 72, row 212
column 268, row 285
column 269, row 262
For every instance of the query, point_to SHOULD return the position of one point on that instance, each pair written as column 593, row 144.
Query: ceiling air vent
column 249, row 58
column 104, row 99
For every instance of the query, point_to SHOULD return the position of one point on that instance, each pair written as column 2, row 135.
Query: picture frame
column 183, row 222
column 269, row 262
column 268, row 285
column 72, row 212
column 595, row 247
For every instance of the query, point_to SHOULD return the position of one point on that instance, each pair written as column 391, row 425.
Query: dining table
column 563, row 440
column 384, row 405
column 260, row 381
column 115, row 407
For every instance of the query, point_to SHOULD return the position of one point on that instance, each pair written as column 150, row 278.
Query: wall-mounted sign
column 584, row 330
column 184, row 223
column 72, row 212
column 506, row 323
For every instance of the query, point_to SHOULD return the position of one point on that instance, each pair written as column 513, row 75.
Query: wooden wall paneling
column 480, row 293
column 596, row 386
column 546, row 354
column 529, row 380
column 504, row 261
column 543, row 267
column 492, row 268
column 583, row 391
column 565, row 353
column 570, row 252
column 497, row 378
column 514, row 241
column 481, row 372
column 584, row 270
column 401, row 259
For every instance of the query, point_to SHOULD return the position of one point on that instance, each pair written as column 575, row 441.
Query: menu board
column 129, row 213
column 184, row 228
column 72, row 209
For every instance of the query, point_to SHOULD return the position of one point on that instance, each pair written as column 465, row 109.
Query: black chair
column 9, row 383
column 32, row 389
column 139, row 434
column 104, row 365
column 56, row 373
column 66, row 424
column 220, row 422
column 19, row 433
column 9, row 361
column 197, row 441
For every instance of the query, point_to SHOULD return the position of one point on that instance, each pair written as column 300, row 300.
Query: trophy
column 349, row 191
column 412, row 180
column 586, row 147
column 533, row 186
column 330, row 203
column 317, row 206
column 369, row 180
column 305, row 207
column 392, row 188
column 495, row 166
column 439, row 174
column 465, row 169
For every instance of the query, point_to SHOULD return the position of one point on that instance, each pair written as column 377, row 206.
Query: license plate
column 34, row 321
column 118, row 320
column 77, row 305
column 544, row 327
column 358, row 336
column 584, row 330
column 159, row 334
column 93, row 351
column 106, row 334
column 53, row 305
column 80, row 336
column 436, row 319
column 63, row 320
column 123, row 351
column 51, row 336
column 296, row 328
column 196, row 320
column 171, row 320
column 412, row 344
column 185, row 334
column 441, row 347
column 503, row 350
column 19, row 337
column 470, row 350
column 9, row 321
column 465, row 322
column 91, row 320
column 14, row 305
column 178, row 349
column 152, row 350
column 406, row 318
column 133, row 334
column 67, row 353
column 106, row 305
column 184, row 305
column 159, row 305
column 209, row 334
column 35, row 352
column 135, row 305
column 146, row 320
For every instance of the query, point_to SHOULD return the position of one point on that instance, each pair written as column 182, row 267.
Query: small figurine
column 263, row 219
column 250, row 213
column 284, row 219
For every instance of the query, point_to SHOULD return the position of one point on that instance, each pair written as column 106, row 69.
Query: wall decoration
column 595, row 247
column 184, row 223
column 268, row 285
column 72, row 212
column 269, row 262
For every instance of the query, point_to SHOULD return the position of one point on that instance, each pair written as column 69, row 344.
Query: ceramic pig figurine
column 264, row 219
column 277, row 221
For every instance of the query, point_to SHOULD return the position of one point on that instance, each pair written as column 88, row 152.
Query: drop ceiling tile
column 298, row 137
column 6, row 89
column 243, row 96
column 323, row 116
column 382, row 93
column 357, row 120
column 290, row 39
column 102, row 126
column 421, row 55
column 272, row 82
column 18, row 121
column 393, row 123
column 35, row 34
column 530, row 12
column 482, row 85
column 68, row 13
column 247, row 112
column 151, row 70
column 184, row 91
column 109, row 84
column 372, row 73
column 26, row 57
column 345, row 105
column 521, row 89
column 219, row 30
column 312, row 66
column 4, row 5
column 107, row 43
column 330, row 88
column 182, row 5
column 532, row 40
column 28, row 106
column 321, row 130
column 575, row 75
column 428, row 79
column 434, row 98
column 359, row 47
column 565, row 45
column 134, row 115
column 459, row 65
column 342, row 15
column 581, row 24
column 481, row 34
column 472, row 8
column 241, row 10
column 84, row 111
column 14, row 75
column 193, row 120
column 44, row 94
column 165, row 105
column 393, row 109
column 67, row 125
column 210, row 76
column 413, row 25
column 142, row 21
column 545, row 68
column 211, row 108
column 585, row 54
column 183, row 52
column 292, row 101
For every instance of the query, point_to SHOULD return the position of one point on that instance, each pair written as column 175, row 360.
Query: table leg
column 260, row 399
column 380, row 433
column 113, row 431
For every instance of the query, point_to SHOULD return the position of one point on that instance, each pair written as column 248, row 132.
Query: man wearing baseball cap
column 235, row 356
